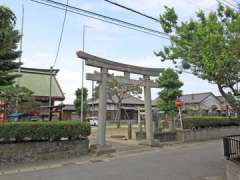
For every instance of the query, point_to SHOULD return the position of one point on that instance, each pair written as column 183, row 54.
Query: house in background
column 199, row 103
column 38, row 81
column 69, row 112
column 194, row 104
column 225, row 107
column 129, row 109
column 202, row 103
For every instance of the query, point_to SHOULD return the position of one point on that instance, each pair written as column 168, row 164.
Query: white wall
column 209, row 102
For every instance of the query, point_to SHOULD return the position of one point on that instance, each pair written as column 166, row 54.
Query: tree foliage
column 170, row 85
column 117, row 92
column 11, row 95
column 9, row 38
column 78, row 102
column 209, row 46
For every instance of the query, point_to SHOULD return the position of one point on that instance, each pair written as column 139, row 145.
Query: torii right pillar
column 148, row 111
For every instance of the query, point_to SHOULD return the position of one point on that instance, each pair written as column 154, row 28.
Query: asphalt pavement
column 195, row 161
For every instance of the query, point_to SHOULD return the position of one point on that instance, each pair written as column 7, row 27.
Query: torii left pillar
column 148, row 111
column 102, row 113
column 102, row 148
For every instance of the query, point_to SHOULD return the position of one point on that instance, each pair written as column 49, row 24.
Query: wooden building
column 38, row 81
column 129, row 108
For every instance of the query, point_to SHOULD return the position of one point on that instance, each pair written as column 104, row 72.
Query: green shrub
column 48, row 131
column 209, row 121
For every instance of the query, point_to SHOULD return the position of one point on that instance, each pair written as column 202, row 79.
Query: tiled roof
column 128, row 100
column 69, row 107
column 222, row 99
column 195, row 98
column 190, row 98
column 38, row 81
column 39, row 71
column 133, row 100
column 187, row 98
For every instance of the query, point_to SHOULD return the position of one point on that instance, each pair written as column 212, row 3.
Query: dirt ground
column 114, row 133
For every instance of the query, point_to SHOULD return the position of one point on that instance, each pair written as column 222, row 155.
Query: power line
column 198, row 6
column 54, row 63
column 106, row 17
column 61, row 35
column 132, row 10
column 110, row 22
column 226, row 3
column 20, row 57
column 103, row 18
column 230, row 4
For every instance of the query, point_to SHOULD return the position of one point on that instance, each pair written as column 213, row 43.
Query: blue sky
column 43, row 25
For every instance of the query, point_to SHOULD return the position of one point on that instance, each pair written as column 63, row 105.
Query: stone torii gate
column 103, row 77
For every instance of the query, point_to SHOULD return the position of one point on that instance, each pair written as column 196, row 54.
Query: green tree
column 170, row 85
column 9, row 38
column 209, row 46
column 117, row 92
column 78, row 102
column 23, row 96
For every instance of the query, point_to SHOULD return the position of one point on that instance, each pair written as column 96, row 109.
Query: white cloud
column 208, row 4
column 69, row 82
column 39, row 60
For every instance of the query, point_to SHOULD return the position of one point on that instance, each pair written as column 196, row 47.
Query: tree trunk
column 119, row 104
column 129, row 129
column 119, row 119
column 173, row 128
column 233, row 104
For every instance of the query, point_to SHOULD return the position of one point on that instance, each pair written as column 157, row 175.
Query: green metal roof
column 38, row 81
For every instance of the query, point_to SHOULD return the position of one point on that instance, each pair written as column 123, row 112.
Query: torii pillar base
column 104, row 149
column 152, row 143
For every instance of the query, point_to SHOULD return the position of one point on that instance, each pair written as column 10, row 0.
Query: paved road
column 196, row 161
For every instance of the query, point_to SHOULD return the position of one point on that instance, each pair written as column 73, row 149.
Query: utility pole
column 83, row 48
column 92, row 98
column 20, row 58
column 50, row 94
column 22, row 25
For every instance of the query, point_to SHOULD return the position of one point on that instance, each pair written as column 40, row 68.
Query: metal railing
column 232, row 147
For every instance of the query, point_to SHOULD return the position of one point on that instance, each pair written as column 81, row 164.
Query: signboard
column 179, row 103
column 2, row 110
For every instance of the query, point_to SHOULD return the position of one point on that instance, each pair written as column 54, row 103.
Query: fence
column 232, row 147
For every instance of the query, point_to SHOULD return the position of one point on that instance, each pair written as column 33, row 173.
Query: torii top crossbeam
column 95, row 61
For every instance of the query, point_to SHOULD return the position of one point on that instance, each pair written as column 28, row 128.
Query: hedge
column 209, row 121
column 48, row 131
